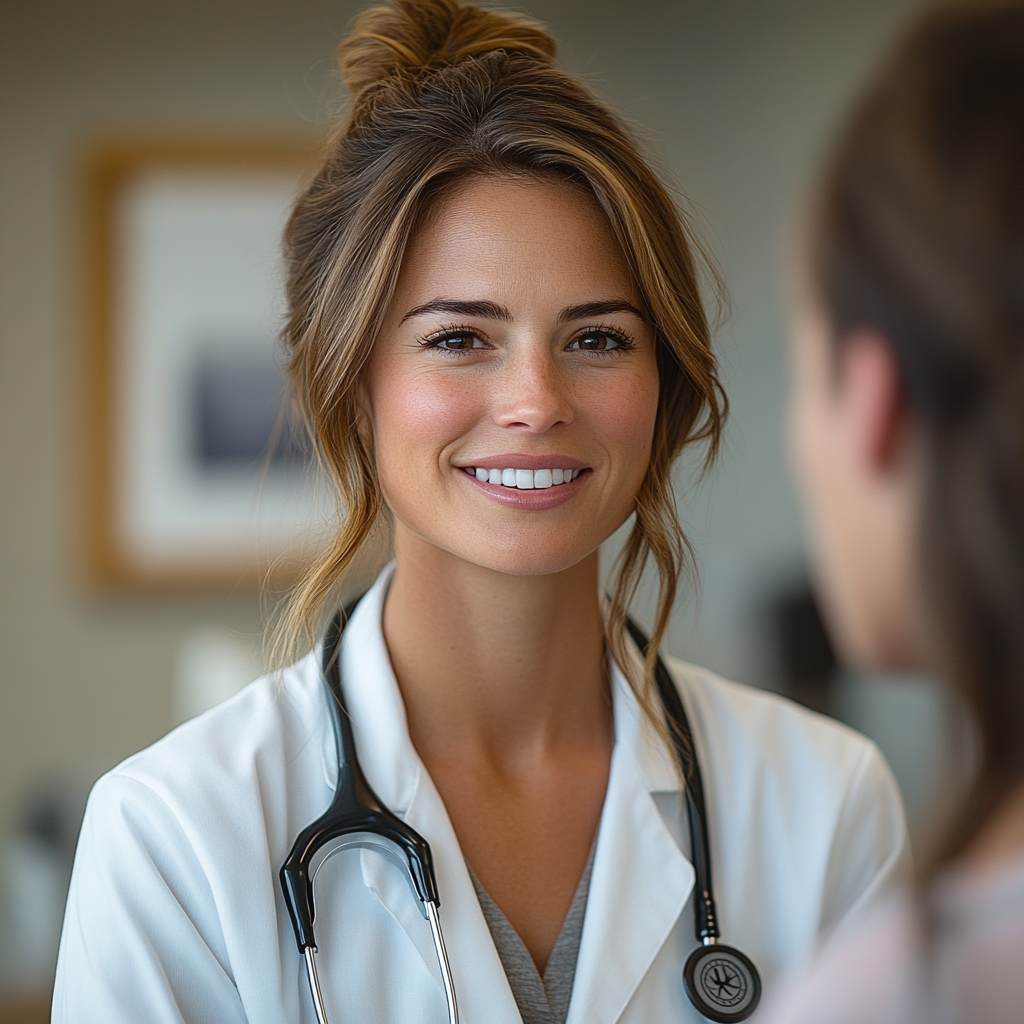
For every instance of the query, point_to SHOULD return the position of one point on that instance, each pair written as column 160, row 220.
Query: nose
column 533, row 392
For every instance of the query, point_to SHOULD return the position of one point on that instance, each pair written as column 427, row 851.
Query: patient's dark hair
column 918, row 232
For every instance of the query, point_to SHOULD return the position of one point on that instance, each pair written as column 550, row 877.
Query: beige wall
column 738, row 96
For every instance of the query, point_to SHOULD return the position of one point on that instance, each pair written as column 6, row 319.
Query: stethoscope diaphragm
column 722, row 983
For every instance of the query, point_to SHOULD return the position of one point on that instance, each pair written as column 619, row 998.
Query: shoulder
column 173, row 895
column 813, row 797
column 771, row 729
column 245, row 759
column 828, row 789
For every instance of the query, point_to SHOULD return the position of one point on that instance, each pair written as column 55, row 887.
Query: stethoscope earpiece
column 722, row 983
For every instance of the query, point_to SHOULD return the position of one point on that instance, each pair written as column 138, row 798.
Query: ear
column 872, row 397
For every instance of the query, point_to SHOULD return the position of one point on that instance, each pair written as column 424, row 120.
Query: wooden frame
column 120, row 177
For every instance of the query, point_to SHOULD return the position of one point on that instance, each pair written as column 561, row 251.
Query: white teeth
column 523, row 479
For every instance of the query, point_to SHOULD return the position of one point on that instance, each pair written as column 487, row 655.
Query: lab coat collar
column 641, row 879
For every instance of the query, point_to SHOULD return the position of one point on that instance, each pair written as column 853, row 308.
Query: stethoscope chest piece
column 722, row 983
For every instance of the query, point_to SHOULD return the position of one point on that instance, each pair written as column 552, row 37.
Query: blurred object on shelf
column 35, row 869
column 806, row 662
column 212, row 667
column 904, row 715
column 907, row 717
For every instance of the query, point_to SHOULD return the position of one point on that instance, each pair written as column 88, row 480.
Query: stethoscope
column 721, row 982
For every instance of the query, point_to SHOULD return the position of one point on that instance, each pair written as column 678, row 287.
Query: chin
column 534, row 549
column 527, row 561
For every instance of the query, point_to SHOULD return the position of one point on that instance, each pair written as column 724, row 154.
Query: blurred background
column 737, row 99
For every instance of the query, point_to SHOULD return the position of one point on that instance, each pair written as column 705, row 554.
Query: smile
column 523, row 479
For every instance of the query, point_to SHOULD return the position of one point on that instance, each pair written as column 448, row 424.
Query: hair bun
column 412, row 35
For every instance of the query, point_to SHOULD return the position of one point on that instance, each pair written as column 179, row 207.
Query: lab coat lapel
column 397, row 775
column 641, row 880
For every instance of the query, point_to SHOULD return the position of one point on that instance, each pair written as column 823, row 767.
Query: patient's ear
column 872, row 400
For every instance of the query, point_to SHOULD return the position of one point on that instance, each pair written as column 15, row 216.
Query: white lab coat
column 175, row 912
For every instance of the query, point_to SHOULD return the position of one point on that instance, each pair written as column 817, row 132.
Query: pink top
column 885, row 970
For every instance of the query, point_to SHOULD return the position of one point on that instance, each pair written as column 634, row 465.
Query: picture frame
column 196, row 477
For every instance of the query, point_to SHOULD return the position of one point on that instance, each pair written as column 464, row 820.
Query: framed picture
column 196, row 475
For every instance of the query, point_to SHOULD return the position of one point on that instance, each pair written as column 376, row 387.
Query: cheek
column 623, row 417
column 800, row 437
column 416, row 411
column 809, row 430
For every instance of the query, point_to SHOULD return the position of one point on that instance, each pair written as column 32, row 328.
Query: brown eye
column 453, row 341
column 597, row 341
column 459, row 342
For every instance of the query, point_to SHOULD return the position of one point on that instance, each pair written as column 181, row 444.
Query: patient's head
column 907, row 414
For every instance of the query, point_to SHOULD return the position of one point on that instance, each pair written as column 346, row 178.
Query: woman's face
column 515, row 355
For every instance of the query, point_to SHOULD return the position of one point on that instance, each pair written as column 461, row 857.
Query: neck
column 494, row 665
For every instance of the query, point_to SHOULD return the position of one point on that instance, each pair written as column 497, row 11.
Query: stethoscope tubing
column 309, row 955
column 705, row 913
column 434, row 916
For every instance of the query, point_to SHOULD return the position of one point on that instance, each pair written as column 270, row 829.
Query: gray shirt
column 541, row 1000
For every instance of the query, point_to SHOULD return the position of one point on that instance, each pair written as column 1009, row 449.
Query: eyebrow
column 589, row 310
column 457, row 307
column 492, row 311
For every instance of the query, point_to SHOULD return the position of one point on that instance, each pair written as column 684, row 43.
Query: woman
column 908, row 438
column 497, row 339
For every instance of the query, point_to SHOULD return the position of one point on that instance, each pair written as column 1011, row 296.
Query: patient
column 907, row 436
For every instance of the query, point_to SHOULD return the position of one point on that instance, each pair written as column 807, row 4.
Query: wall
column 738, row 97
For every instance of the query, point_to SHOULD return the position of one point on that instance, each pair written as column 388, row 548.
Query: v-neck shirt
column 541, row 999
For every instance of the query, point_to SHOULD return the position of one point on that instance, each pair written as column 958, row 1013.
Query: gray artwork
column 242, row 414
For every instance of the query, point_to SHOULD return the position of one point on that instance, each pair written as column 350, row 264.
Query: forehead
column 505, row 235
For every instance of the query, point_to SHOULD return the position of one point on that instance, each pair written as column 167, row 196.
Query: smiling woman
column 498, row 344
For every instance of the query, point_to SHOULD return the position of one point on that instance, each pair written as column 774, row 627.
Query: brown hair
column 443, row 91
column 919, row 233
